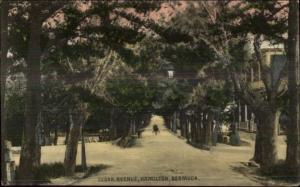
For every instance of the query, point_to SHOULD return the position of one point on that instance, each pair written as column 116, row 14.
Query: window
column 277, row 65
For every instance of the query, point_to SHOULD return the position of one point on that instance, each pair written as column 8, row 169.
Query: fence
column 249, row 126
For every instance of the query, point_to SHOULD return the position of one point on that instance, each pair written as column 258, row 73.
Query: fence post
column 9, row 163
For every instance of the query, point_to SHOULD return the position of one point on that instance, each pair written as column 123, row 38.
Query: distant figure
column 155, row 129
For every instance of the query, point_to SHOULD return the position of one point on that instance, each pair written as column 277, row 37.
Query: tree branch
column 265, row 71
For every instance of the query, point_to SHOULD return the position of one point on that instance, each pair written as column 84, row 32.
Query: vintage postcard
column 150, row 92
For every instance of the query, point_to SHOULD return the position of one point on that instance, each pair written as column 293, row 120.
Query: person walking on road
column 155, row 129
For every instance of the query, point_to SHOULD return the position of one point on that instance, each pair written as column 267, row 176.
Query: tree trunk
column 55, row 135
column 125, row 126
column 172, row 122
column 4, row 48
column 192, row 129
column 47, row 136
column 199, row 128
column 208, row 129
column 72, row 144
column 184, row 126
column 187, row 127
column 112, row 127
column 134, row 126
column 129, row 131
column 148, row 119
column 170, row 119
column 268, row 138
column 175, row 123
column 293, row 130
column 38, row 138
column 83, row 153
column 29, row 159
column 258, row 145
column 167, row 121
column 195, row 128
column 204, row 122
column 181, row 121
column 67, row 131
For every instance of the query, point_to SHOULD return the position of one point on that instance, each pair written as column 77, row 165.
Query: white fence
column 247, row 126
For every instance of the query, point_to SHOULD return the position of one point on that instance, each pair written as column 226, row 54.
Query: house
column 273, row 56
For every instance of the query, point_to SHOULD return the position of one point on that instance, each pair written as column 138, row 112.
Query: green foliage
column 218, row 97
column 18, row 35
column 268, row 18
column 213, row 95
column 240, row 53
column 148, row 51
column 15, row 119
column 75, row 37
column 186, row 57
column 170, row 95
column 130, row 95
column 55, row 103
column 99, row 115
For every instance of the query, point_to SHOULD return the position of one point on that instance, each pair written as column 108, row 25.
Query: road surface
column 164, row 159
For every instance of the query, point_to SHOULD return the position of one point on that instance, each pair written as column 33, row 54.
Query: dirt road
column 164, row 159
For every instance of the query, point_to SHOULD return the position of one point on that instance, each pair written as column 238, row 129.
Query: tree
column 96, row 122
column 285, row 23
column 4, row 49
column 90, row 37
column 209, row 99
column 132, row 96
column 76, row 123
column 55, row 104
column 50, row 39
column 30, row 153
column 293, row 130
column 25, row 45
column 156, row 54
column 215, row 26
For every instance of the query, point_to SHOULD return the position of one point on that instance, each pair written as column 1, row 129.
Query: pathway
column 165, row 160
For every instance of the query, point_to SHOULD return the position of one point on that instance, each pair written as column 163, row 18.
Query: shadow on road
column 254, row 174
